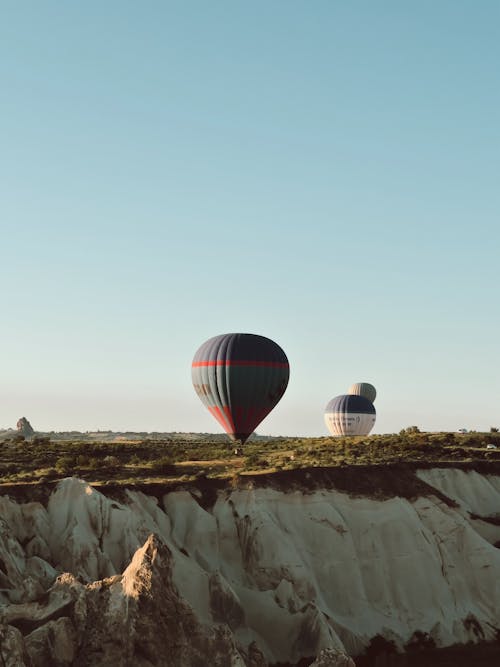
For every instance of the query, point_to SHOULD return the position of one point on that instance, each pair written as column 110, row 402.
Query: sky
column 322, row 173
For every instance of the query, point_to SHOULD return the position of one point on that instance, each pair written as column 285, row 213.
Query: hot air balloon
column 350, row 415
column 364, row 389
column 240, row 378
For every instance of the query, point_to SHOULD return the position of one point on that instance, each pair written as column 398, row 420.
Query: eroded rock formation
column 137, row 618
column 24, row 428
column 256, row 577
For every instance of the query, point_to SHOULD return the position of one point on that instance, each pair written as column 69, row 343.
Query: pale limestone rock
column 260, row 577
column 224, row 603
column 58, row 602
column 38, row 547
column 255, row 658
column 12, row 650
column 315, row 633
column 53, row 644
column 21, row 579
column 144, row 622
column 285, row 596
column 330, row 657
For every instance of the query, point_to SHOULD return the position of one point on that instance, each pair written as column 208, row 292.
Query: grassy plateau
column 173, row 459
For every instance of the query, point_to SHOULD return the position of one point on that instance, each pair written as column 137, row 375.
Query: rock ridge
column 258, row 577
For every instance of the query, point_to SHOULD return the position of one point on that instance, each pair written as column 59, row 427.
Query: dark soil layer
column 482, row 655
column 378, row 481
column 477, row 655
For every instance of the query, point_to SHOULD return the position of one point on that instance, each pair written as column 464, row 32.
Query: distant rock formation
column 24, row 428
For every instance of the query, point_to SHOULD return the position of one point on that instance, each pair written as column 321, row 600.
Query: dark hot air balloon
column 240, row 378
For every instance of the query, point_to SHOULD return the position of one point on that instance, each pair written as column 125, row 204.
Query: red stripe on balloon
column 220, row 418
column 229, row 418
column 268, row 364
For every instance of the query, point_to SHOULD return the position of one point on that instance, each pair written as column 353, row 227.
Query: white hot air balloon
column 349, row 414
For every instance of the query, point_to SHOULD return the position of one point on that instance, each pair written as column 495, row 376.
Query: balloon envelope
column 240, row 378
column 350, row 415
column 364, row 389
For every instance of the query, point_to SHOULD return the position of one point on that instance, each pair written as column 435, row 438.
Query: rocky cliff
column 245, row 577
column 24, row 428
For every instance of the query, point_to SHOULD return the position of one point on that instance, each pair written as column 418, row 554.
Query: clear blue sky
column 322, row 173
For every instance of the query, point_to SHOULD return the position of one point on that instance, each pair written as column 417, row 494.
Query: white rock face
column 259, row 577
column 476, row 495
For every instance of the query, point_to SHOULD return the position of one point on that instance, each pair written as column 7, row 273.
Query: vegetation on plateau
column 173, row 458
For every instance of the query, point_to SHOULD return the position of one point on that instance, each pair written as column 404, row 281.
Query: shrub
column 472, row 625
column 41, row 440
column 420, row 641
column 163, row 465
column 8, row 469
column 380, row 646
column 65, row 464
column 111, row 461
column 409, row 430
column 253, row 461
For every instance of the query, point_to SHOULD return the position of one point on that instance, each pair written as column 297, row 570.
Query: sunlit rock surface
column 330, row 657
column 256, row 577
